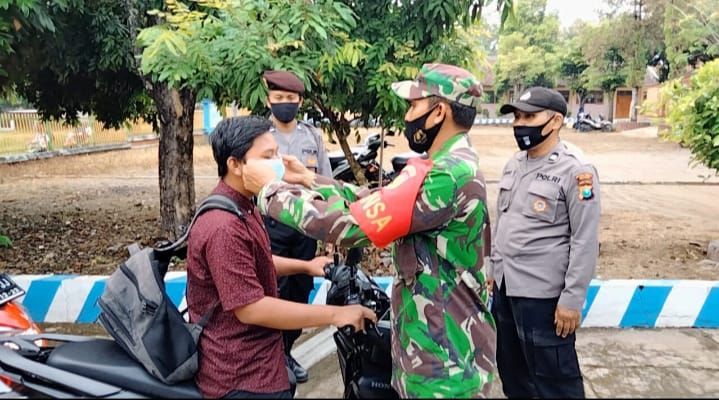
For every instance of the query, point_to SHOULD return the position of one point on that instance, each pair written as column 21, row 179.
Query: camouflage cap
column 443, row 80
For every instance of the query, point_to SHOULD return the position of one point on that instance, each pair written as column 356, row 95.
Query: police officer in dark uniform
column 544, row 252
column 303, row 141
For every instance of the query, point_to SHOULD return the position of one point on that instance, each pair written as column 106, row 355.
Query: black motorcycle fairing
column 364, row 357
column 105, row 361
column 365, row 361
column 341, row 290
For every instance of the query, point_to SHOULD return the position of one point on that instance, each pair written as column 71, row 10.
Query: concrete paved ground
column 637, row 363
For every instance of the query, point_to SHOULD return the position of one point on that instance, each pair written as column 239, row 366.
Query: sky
column 568, row 10
column 571, row 10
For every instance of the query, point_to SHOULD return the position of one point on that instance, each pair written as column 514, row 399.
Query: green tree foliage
column 78, row 60
column 572, row 67
column 87, row 64
column 606, row 63
column 19, row 19
column 621, row 46
column 528, row 48
column 693, row 113
column 691, row 33
column 346, row 52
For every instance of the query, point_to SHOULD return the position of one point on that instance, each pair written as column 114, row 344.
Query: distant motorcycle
column 366, row 156
column 585, row 123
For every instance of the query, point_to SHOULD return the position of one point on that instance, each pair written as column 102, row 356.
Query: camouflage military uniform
column 443, row 336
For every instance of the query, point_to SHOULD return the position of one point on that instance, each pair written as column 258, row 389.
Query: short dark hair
column 462, row 115
column 233, row 137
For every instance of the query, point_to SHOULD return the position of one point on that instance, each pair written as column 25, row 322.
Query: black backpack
column 137, row 312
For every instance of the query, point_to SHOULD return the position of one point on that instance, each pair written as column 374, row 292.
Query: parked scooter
column 585, row 123
column 14, row 318
column 366, row 156
column 82, row 366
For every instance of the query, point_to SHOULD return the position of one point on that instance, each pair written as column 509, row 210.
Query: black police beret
column 283, row 80
column 537, row 99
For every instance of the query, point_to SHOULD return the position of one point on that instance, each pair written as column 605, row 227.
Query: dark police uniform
column 544, row 253
column 305, row 143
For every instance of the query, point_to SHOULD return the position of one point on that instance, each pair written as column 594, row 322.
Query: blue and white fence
column 609, row 303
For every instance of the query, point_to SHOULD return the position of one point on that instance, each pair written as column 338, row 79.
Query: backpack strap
column 211, row 202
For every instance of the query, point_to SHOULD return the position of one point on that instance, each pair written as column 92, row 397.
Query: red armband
column 386, row 214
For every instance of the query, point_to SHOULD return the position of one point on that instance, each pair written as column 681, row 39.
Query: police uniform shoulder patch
column 585, row 186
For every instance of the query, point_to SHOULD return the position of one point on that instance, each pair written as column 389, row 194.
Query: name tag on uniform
column 547, row 178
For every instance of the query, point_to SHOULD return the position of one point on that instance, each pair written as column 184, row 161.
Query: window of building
column 595, row 97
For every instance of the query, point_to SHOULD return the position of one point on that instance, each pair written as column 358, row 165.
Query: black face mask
column 420, row 139
column 530, row 136
column 285, row 112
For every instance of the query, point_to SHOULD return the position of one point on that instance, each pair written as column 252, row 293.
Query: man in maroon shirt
column 229, row 263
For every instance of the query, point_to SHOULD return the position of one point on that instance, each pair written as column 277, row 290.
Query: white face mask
column 276, row 164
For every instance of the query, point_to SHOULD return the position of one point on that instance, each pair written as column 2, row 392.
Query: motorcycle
column 366, row 156
column 81, row 366
column 364, row 357
column 14, row 318
column 585, row 123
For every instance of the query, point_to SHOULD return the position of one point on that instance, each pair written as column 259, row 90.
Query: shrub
column 693, row 114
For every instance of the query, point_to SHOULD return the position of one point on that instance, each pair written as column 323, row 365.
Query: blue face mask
column 277, row 165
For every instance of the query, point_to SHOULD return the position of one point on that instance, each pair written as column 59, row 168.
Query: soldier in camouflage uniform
column 443, row 336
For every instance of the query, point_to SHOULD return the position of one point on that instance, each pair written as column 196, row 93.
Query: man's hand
column 353, row 315
column 490, row 285
column 296, row 172
column 256, row 175
column 566, row 320
column 316, row 266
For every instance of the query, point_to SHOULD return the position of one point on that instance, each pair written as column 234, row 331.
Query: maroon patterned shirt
column 232, row 262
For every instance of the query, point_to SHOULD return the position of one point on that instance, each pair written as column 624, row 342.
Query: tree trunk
column 339, row 127
column 610, row 106
column 176, row 110
column 633, row 104
column 354, row 165
column 177, row 177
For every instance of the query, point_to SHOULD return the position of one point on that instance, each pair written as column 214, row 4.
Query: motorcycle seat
column 400, row 160
column 336, row 157
column 105, row 361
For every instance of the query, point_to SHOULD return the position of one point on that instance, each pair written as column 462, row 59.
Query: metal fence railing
column 23, row 132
